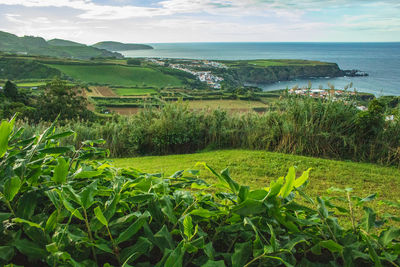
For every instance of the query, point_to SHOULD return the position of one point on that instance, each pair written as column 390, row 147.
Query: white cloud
column 199, row 20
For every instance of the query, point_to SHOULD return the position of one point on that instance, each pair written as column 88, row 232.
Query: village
column 196, row 67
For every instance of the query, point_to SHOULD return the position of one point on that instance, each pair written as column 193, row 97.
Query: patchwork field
column 119, row 75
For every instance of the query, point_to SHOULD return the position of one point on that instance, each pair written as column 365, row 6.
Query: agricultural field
column 30, row 84
column 273, row 62
column 133, row 91
column 240, row 105
column 119, row 75
column 258, row 168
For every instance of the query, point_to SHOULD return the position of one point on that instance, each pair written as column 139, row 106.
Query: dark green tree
column 61, row 99
column 11, row 90
column 134, row 62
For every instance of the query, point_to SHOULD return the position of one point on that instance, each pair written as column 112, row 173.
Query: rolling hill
column 116, row 46
column 61, row 42
column 30, row 45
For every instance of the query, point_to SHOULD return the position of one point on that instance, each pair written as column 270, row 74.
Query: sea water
column 380, row 60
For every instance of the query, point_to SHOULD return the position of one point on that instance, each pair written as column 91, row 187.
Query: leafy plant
column 62, row 207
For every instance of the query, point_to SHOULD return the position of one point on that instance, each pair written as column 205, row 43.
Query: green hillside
column 116, row 46
column 38, row 46
column 15, row 68
column 119, row 75
column 61, row 42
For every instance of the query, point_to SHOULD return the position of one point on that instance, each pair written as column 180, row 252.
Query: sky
column 165, row 21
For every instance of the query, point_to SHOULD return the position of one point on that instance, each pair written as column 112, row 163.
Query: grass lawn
column 119, row 75
column 258, row 168
column 133, row 91
column 225, row 104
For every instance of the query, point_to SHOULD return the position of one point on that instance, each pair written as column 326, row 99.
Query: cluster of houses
column 192, row 67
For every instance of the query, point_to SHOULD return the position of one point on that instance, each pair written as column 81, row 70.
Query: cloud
column 288, row 8
column 201, row 20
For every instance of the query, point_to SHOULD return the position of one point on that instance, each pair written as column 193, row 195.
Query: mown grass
column 119, row 75
column 133, row 91
column 258, row 168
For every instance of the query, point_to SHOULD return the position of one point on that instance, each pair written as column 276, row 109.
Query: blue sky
column 152, row 21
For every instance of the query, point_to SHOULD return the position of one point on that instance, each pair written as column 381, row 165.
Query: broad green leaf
column 51, row 222
column 241, row 254
column 175, row 258
column 369, row 219
column 234, row 186
column 211, row 263
column 27, row 205
column 133, row 229
column 275, row 187
column 372, row 253
column 188, row 227
column 60, row 171
column 30, row 249
column 289, row 182
column 87, row 195
column 249, row 207
column 388, row 236
column 369, row 198
column 32, row 224
column 11, row 188
column 87, row 172
column 52, row 247
column 6, row 253
column 203, row 213
column 4, row 216
column 5, row 131
column 302, row 179
column 104, row 247
column 60, row 135
column 56, row 150
column 163, row 239
column 332, row 246
column 322, row 208
column 243, row 193
column 100, row 216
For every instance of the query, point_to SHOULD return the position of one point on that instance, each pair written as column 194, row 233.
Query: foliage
column 303, row 126
column 62, row 100
column 58, row 209
column 17, row 68
column 10, row 90
column 134, row 62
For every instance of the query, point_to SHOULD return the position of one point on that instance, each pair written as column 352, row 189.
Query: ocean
column 380, row 60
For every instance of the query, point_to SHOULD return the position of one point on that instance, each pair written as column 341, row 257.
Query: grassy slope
column 258, row 168
column 119, row 75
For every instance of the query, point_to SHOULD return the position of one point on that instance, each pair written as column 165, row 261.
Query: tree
column 11, row 90
column 134, row 62
column 61, row 99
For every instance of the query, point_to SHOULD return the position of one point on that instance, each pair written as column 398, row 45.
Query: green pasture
column 119, row 75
